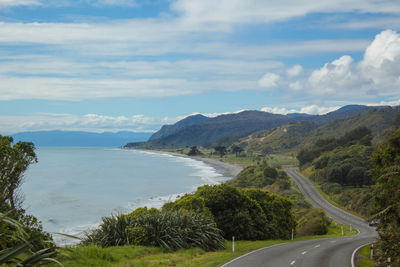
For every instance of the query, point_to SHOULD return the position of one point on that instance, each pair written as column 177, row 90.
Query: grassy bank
column 154, row 256
column 363, row 257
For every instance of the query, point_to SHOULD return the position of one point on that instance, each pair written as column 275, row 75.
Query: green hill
column 202, row 131
column 291, row 137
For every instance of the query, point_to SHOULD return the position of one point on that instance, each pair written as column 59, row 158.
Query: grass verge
column 154, row 256
column 363, row 257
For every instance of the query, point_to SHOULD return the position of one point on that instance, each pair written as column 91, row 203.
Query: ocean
column 71, row 189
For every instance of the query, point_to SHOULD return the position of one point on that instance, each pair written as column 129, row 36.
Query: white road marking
column 304, row 252
column 293, row 262
column 317, row 246
column 333, row 241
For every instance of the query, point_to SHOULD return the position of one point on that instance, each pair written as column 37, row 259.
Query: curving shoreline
column 228, row 170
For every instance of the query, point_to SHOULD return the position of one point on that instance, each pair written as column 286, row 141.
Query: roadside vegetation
column 386, row 172
column 364, row 257
column 245, row 208
column 341, row 168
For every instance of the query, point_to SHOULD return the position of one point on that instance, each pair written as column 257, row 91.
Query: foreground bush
column 22, row 252
column 169, row 229
column 250, row 214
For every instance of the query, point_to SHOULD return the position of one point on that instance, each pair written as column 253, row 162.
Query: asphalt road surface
column 323, row 252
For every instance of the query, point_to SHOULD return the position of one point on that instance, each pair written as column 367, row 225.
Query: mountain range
column 199, row 130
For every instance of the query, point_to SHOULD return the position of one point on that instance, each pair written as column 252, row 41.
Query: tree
column 221, row 150
column 14, row 161
column 194, row 151
column 386, row 171
column 237, row 150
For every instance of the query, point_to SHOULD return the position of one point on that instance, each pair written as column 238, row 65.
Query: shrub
column 315, row 222
column 332, row 188
column 169, row 229
column 250, row 214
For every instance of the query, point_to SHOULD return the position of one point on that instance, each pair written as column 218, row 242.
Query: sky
column 131, row 65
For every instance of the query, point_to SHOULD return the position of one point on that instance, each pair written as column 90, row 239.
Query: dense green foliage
column 194, row 151
column 290, row 138
column 220, row 150
column 386, row 170
column 313, row 222
column 245, row 214
column 361, row 136
column 341, row 167
column 22, row 252
column 14, row 161
column 310, row 220
column 259, row 176
column 344, row 166
column 169, row 229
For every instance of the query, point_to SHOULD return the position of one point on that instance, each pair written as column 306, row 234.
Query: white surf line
column 293, row 262
column 304, row 252
column 317, row 246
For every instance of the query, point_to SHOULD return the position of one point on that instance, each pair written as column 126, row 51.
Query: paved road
column 324, row 252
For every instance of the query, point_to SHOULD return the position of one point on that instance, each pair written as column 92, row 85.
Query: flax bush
column 172, row 230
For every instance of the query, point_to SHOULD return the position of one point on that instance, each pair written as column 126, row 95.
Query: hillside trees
column 194, row 151
column 361, row 135
column 221, row 150
column 236, row 150
column 386, row 170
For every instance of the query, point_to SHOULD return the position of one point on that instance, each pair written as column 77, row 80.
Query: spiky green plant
column 22, row 254
column 170, row 229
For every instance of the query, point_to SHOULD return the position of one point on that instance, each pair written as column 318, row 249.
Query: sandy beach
column 226, row 169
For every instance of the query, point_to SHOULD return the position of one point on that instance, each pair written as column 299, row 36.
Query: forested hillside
column 385, row 163
column 225, row 129
column 290, row 138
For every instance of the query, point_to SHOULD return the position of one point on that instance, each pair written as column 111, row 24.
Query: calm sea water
column 70, row 189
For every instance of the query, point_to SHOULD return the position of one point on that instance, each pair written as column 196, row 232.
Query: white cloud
column 296, row 86
column 294, row 71
column 381, row 62
column 376, row 75
column 315, row 109
column 257, row 11
column 78, row 89
column 126, row 3
column 89, row 122
column 337, row 74
column 369, row 23
column 269, row 80
column 12, row 3
column 310, row 109
column 278, row 110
